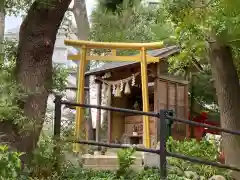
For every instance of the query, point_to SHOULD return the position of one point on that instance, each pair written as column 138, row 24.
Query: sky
column 12, row 22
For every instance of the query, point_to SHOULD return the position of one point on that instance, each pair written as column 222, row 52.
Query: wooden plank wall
column 172, row 95
column 117, row 118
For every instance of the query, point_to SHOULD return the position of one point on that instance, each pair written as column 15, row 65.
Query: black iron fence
column 163, row 115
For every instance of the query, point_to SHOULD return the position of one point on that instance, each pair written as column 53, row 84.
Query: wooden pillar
column 80, row 98
column 98, row 119
column 145, row 98
column 176, row 99
column 157, row 109
column 167, row 95
column 157, row 96
column 188, row 135
column 109, row 116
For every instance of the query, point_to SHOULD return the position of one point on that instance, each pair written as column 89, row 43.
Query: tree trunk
column 81, row 18
column 2, row 26
column 228, row 93
column 83, row 29
column 34, row 69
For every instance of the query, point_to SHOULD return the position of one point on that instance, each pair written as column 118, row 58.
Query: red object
column 221, row 158
column 199, row 131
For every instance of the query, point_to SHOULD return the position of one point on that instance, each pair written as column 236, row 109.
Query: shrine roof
column 161, row 53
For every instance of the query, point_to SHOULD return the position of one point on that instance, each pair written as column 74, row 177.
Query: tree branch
column 234, row 40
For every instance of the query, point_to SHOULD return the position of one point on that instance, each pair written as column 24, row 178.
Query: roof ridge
column 161, row 53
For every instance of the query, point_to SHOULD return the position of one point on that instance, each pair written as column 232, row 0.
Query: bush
column 125, row 160
column 205, row 149
column 43, row 161
column 42, row 164
column 10, row 164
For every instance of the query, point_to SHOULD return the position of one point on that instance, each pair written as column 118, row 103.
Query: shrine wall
column 172, row 94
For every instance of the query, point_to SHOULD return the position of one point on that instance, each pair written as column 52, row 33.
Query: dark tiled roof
column 161, row 53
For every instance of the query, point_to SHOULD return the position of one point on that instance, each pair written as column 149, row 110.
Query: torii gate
column 143, row 58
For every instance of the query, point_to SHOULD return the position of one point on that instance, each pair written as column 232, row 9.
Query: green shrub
column 125, row 160
column 44, row 159
column 10, row 164
column 75, row 173
column 205, row 149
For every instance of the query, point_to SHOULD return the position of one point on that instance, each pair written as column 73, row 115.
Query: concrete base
column 109, row 161
column 151, row 160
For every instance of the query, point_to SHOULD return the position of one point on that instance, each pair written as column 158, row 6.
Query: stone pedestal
column 151, row 160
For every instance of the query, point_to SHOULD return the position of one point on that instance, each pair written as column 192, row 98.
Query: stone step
column 111, row 160
column 110, row 168
column 115, row 151
column 96, row 167
column 102, row 160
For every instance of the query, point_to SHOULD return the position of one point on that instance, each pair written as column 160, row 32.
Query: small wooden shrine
column 121, row 82
column 84, row 55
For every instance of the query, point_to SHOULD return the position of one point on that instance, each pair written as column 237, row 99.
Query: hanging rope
column 119, row 81
column 118, row 86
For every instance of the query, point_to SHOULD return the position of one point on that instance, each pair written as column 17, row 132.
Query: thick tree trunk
column 2, row 26
column 228, row 93
column 34, row 68
column 81, row 18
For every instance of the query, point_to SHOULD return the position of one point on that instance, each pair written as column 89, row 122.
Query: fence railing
column 163, row 115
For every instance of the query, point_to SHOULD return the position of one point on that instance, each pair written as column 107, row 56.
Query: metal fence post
column 163, row 141
column 57, row 130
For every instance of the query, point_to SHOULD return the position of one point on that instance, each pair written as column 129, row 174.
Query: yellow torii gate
column 143, row 58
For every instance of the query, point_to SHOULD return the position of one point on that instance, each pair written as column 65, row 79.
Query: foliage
column 113, row 6
column 86, row 174
column 203, row 88
column 10, row 164
column 198, row 24
column 205, row 149
column 142, row 23
column 16, row 8
column 125, row 160
column 11, row 92
column 60, row 74
column 44, row 159
column 136, row 24
column 12, row 7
